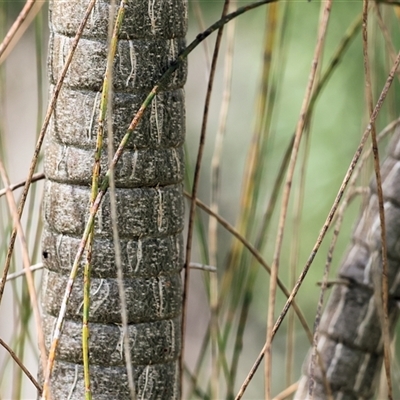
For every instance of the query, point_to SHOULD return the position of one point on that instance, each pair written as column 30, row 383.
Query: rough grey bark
column 350, row 331
column 149, row 200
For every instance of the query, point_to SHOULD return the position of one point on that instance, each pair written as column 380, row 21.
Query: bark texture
column 350, row 340
column 149, row 200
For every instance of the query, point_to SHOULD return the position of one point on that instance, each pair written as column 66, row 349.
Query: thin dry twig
column 219, row 141
column 21, row 23
column 21, row 365
column 36, row 177
column 324, row 19
column 33, row 268
column 203, row 267
column 256, row 254
column 383, row 291
column 27, row 263
column 295, row 249
column 196, row 179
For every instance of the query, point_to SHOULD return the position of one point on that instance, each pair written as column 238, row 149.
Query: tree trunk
column 350, row 339
column 149, row 201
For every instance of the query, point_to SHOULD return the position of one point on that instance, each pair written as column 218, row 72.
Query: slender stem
column 286, row 193
column 21, row 365
column 17, row 24
column 383, row 291
column 26, row 262
column 214, row 278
